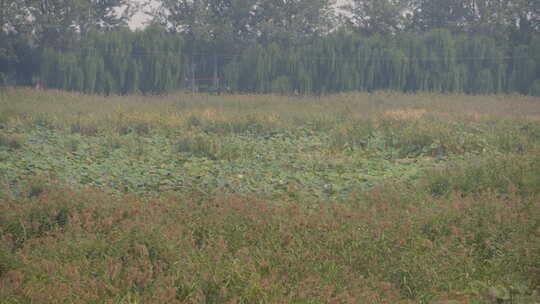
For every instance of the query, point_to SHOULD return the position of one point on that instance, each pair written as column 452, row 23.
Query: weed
column 251, row 249
column 197, row 145
column 352, row 198
column 75, row 128
column 4, row 140
column 113, row 143
column 501, row 173
column 11, row 141
column 355, row 134
column 193, row 122
column 72, row 145
column 137, row 146
column 141, row 128
column 34, row 187
column 434, row 137
column 208, row 146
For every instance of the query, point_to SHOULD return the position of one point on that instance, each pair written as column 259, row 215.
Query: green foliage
column 198, row 145
column 12, row 142
column 281, row 85
column 34, row 187
column 535, row 89
column 506, row 174
column 8, row 260
column 461, row 248
column 359, row 198
column 116, row 63
column 153, row 61
column 301, row 46
column 434, row 137
column 434, row 61
column 212, row 147
column 356, row 134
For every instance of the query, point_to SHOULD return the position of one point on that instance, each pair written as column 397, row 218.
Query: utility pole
column 216, row 78
column 193, row 75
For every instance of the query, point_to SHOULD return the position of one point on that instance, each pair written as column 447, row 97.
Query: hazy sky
column 139, row 19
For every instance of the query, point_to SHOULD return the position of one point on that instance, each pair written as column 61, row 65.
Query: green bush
column 355, row 134
column 431, row 136
column 210, row 146
column 503, row 174
column 514, row 136
column 12, row 142
column 535, row 88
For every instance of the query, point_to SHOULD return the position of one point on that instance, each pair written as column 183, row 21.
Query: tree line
column 273, row 46
column 433, row 61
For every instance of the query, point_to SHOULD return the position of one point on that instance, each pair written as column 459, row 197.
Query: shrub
column 12, row 142
column 34, row 187
column 434, row 137
column 354, row 134
column 197, row 145
column 211, row 147
column 535, row 88
column 478, row 174
column 514, row 136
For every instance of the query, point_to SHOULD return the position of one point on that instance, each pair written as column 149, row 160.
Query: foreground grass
column 393, row 245
column 356, row 198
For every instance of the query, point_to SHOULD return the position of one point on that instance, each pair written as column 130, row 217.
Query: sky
column 140, row 18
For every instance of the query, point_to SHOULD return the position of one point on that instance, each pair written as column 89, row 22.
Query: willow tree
column 485, row 64
column 523, row 70
column 115, row 48
column 535, row 51
column 159, row 60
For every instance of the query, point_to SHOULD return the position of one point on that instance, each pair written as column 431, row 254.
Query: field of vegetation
column 351, row 198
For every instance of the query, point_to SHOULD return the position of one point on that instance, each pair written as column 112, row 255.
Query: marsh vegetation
column 349, row 198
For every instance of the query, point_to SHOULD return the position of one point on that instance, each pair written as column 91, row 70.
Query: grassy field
column 352, row 198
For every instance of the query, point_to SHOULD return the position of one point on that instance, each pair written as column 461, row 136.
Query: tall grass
column 60, row 245
column 61, row 108
column 463, row 229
